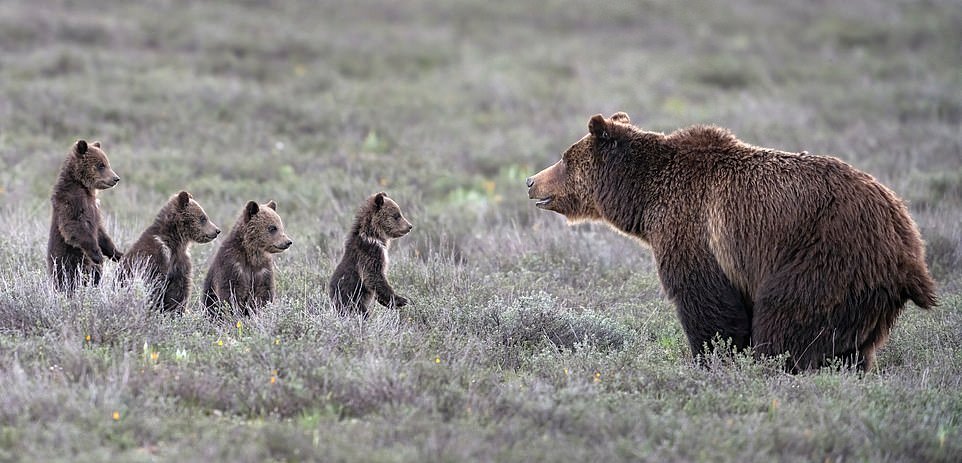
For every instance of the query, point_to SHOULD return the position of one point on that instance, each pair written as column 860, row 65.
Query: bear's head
column 263, row 229
column 566, row 187
column 187, row 219
column 386, row 219
column 88, row 164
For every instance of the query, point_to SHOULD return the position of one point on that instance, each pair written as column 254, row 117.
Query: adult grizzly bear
column 78, row 241
column 361, row 276
column 242, row 274
column 162, row 251
column 779, row 251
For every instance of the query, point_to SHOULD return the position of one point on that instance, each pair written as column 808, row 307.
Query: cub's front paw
column 97, row 258
column 401, row 301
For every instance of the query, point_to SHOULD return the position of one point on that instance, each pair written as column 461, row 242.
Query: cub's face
column 193, row 220
column 264, row 229
column 388, row 218
column 91, row 166
column 566, row 187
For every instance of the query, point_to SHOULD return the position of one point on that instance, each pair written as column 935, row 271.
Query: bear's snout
column 285, row 244
column 529, row 181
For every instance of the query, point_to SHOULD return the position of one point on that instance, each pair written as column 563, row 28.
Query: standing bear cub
column 242, row 275
column 362, row 273
column 162, row 251
column 782, row 252
column 78, row 241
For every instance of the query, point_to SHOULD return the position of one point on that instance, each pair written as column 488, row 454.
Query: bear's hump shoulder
column 704, row 136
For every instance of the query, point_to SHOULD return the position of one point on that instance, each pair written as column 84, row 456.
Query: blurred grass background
column 528, row 340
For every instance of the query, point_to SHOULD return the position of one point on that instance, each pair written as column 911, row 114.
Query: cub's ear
column 183, row 199
column 379, row 199
column 271, row 204
column 251, row 209
column 622, row 117
column 598, row 127
column 80, row 148
column 96, row 143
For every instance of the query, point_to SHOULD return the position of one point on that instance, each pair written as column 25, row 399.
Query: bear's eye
column 272, row 229
column 397, row 216
column 101, row 166
column 203, row 219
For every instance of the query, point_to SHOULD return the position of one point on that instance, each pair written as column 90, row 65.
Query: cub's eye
column 101, row 166
column 397, row 216
column 203, row 219
column 272, row 229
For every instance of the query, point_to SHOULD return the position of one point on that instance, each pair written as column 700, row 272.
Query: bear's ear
column 80, row 148
column 251, row 209
column 598, row 127
column 96, row 143
column 271, row 204
column 379, row 199
column 183, row 199
column 622, row 117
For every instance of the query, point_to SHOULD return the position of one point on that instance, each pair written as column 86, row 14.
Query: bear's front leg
column 375, row 280
column 708, row 305
column 107, row 246
column 263, row 288
column 79, row 235
column 176, row 293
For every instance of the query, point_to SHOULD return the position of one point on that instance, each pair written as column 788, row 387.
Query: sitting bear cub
column 362, row 274
column 242, row 274
column 162, row 251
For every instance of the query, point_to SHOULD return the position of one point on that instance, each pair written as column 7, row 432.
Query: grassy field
column 527, row 340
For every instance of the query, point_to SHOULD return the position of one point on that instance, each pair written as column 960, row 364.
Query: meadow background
column 527, row 340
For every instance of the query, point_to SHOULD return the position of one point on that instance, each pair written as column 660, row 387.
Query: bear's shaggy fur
column 162, row 251
column 362, row 273
column 242, row 274
column 78, row 241
column 779, row 251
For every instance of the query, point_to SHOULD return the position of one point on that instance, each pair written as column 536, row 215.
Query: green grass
column 527, row 340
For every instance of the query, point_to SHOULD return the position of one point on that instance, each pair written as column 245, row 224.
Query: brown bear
column 242, row 274
column 78, row 241
column 362, row 273
column 162, row 251
column 779, row 251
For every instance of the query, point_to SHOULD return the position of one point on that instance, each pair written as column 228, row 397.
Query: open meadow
column 527, row 339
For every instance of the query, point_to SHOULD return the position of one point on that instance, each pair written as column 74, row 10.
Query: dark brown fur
column 779, row 251
column 242, row 274
column 78, row 241
column 361, row 275
column 162, row 251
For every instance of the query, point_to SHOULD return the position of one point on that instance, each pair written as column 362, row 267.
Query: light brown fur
column 242, row 274
column 781, row 251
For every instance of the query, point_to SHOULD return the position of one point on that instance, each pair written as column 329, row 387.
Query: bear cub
column 362, row 273
column 242, row 274
column 162, row 251
column 78, row 241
